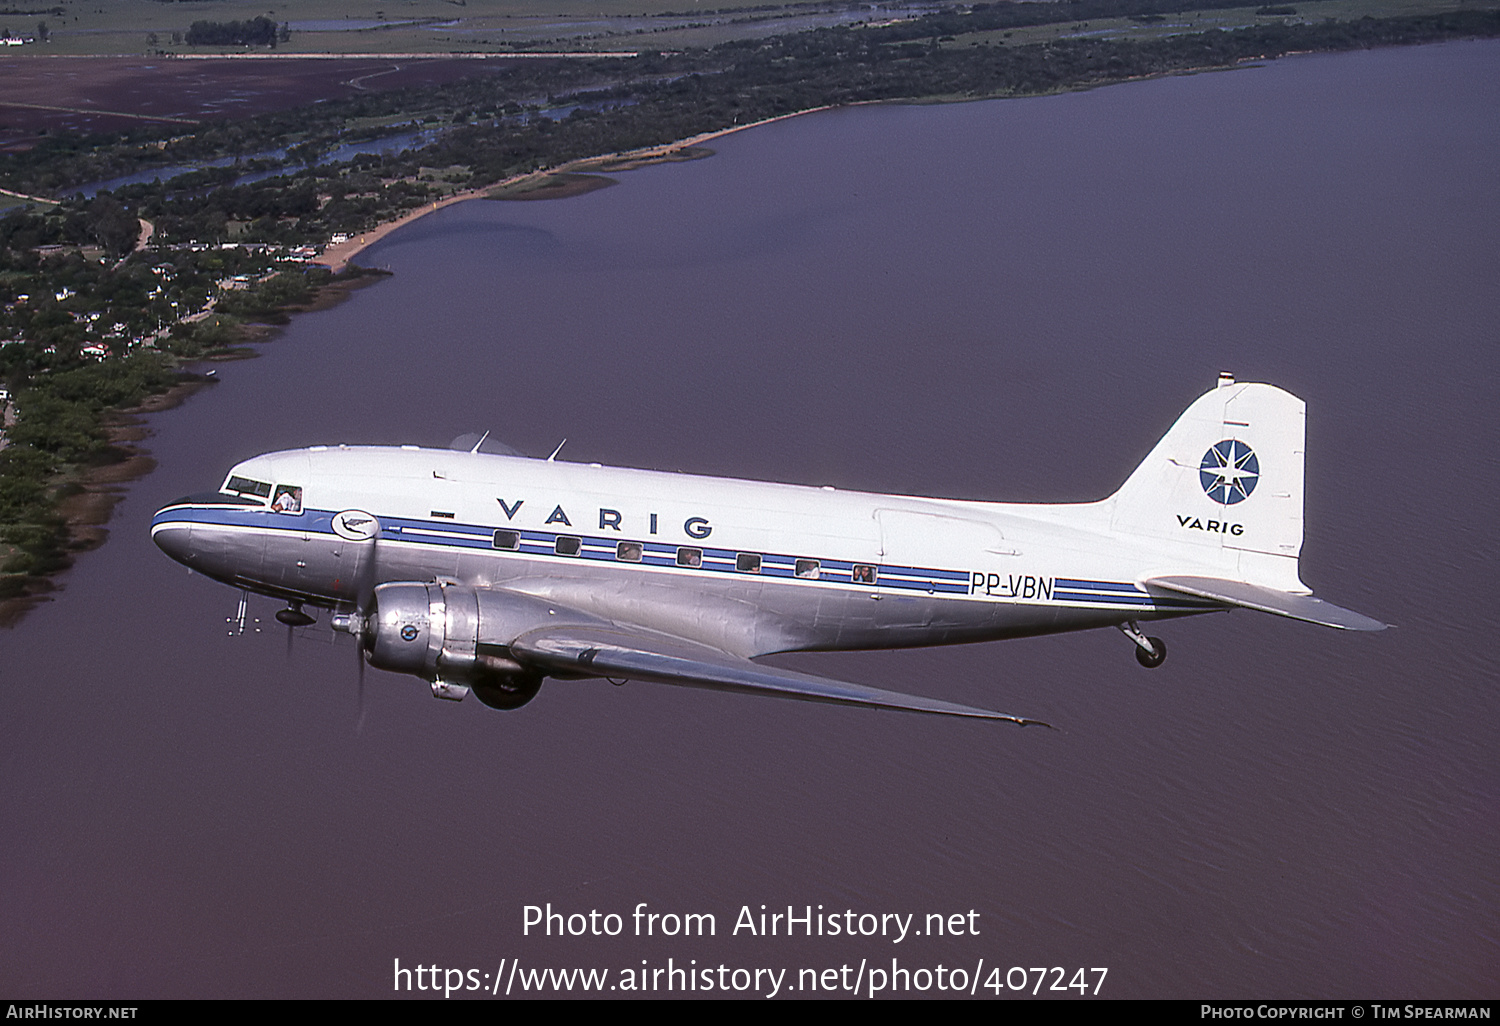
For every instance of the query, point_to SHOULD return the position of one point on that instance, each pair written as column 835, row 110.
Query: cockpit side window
column 243, row 486
column 288, row 499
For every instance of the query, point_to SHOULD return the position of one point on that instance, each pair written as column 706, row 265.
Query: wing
column 597, row 651
column 1269, row 600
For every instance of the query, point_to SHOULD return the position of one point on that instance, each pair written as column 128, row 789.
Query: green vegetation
column 261, row 31
column 60, row 432
column 93, row 318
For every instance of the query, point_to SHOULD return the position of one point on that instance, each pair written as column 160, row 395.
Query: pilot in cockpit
column 288, row 499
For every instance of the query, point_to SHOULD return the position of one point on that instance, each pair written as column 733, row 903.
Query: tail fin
column 1225, row 483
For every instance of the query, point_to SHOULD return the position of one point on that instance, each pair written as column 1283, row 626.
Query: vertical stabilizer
column 1225, row 484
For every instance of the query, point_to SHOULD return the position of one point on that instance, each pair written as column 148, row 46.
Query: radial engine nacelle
column 455, row 636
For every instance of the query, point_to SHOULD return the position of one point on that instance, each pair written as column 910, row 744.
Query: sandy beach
column 339, row 255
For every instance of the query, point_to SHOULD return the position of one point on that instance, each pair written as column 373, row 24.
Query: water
column 345, row 24
column 1003, row 301
column 383, row 146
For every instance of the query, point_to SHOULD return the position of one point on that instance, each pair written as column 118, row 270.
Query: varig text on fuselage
column 610, row 519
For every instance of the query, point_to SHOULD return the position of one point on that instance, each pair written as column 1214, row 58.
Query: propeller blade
column 364, row 600
column 359, row 656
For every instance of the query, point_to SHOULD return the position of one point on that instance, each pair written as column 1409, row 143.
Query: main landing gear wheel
column 1158, row 654
column 1149, row 652
column 508, row 693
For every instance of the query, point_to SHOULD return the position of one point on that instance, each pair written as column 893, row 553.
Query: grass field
column 353, row 27
column 125, row 27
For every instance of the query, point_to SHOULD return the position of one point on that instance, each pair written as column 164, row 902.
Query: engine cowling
column 452, row 634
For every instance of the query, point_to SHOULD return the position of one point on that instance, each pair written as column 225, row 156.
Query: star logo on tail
column 1229, row 472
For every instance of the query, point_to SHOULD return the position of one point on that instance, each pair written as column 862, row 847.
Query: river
column 1001, row 300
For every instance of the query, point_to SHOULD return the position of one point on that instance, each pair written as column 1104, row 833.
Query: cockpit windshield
column 246, row 488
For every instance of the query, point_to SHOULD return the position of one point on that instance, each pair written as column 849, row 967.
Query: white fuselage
column 748, row 567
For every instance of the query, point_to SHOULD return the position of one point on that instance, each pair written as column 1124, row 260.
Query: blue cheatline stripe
column 452, row 534
column 1101, row 593
column 1064, row 582
column 915, row 571
column 1138, row 599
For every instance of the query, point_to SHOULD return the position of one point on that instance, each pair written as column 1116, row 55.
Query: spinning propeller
column 361, row 530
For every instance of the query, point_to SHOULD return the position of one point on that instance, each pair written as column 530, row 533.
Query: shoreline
column 340, row 255
column 89, row 494
column 86, row 510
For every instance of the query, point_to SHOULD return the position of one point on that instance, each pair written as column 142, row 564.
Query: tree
column 259, row 31
column 112, row 226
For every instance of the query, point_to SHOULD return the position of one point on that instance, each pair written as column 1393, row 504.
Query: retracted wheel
column 1158, row 654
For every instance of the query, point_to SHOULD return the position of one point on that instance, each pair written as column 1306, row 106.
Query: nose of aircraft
column 172, row 535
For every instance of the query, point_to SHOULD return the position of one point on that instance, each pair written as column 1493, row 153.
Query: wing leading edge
column 1269, row 600
column 610, row 652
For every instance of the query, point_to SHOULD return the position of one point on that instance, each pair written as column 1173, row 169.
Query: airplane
column 488, row 573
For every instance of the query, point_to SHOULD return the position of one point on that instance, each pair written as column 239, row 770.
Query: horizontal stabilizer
column 1268, row 600
column 645, row 655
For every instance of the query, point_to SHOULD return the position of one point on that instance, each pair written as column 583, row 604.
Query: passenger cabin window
column 507, row 540
column 689, row 557
column 629, row 552
column 809, row 569
column 288, row 499
column 864, row 573
column 245, row 486
column 747, row 562
column 567, row 545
